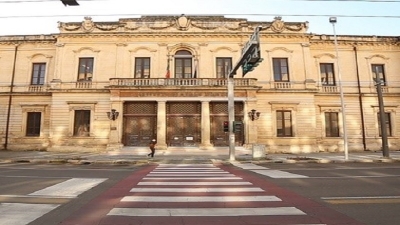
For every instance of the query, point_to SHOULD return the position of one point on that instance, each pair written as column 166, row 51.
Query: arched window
column 183, row 64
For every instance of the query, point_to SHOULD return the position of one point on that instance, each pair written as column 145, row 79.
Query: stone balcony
column 176, row 82
column 198, row 83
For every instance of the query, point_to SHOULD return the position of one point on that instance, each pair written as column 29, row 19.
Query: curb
column 194, row 161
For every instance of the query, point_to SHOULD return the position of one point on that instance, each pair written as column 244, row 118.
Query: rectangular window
column 142, row 67
column 33, row 124
column 224, row 65
column 183, row 67
column 85, row 71
column 327, row 74
column 387, row 123
column 379, row 73
column 38, row 73
column 281, row 69
column 82, row 123
column 332, row 124
column 284, row 123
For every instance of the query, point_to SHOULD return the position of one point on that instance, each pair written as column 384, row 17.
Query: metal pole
column 231, row 117
column 345, row 144
column 385, row 148
column 10, row 97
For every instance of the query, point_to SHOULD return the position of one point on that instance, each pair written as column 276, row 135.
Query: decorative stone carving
column 278, row 26
column 183, row 23
column 160, row 25
column 87, row 24
column 107, row 27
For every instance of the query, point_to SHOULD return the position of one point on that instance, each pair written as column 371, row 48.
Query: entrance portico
column 178, row 118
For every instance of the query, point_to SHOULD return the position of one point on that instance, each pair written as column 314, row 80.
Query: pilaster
column 114, row 138
column 161, row 125
column 205, row 124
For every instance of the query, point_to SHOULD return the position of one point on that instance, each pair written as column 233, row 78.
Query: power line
column 28, row 1
column 383, row 1
column 372, row 1
column 227, row 14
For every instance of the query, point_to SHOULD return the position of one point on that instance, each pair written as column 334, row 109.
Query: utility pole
column 250, row 58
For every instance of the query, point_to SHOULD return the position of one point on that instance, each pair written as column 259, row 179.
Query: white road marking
column 267, row 172
column 200, row 199
column 183, row 190
column 192, row 178
column 360, row 197
column 185, row 169
column 249, row 166
column 186, row 165
column 153, row 212
column 186, row 172
column 70, row 188
column 278, row 174
column 31, row 196
column 194, row 183
column 22, row 214
column 190, row 175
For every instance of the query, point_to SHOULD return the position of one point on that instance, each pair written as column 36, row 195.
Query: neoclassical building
column 109, row 85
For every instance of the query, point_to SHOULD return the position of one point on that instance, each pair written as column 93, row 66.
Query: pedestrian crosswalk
column 23, row 213
column 200, row 190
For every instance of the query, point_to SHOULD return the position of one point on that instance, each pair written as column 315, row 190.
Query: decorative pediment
column 377, row 56
column 325, row 54
column 143, row 48
column 280, row 49
column 39, row 55
column 223, row 48
column 181, row 46
column 86, row 48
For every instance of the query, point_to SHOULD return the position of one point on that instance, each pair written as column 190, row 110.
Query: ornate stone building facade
column 107, row 85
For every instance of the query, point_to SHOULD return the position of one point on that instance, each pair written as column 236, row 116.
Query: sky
column 354, row 17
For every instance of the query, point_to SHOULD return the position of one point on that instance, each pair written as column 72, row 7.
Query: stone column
column 161, row 125
column 205, row 125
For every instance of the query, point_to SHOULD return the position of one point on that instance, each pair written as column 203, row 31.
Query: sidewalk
column 138, row 155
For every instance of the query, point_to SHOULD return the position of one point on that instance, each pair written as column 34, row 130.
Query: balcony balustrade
column 113, row 83
column 172, row 82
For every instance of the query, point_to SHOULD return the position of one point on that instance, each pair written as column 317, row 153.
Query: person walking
column 152, row 147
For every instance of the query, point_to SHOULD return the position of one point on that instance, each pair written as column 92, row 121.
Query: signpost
column 250, row 58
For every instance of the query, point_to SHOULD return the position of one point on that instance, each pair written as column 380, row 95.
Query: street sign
column 251, row 54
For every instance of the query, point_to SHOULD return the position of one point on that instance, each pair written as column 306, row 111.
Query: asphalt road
column 365, row 192
column 368, row 192
column 21, row 183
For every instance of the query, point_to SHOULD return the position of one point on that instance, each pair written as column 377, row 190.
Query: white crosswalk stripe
column 21, row 214
column 184, row 190
column 267, row 172
column 24, row 213
column 200, row 199
column 272, row 211
column 70, row 188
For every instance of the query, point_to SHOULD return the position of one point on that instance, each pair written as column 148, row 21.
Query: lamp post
column 113, row 114
column 254, row 115
column 333, row 21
